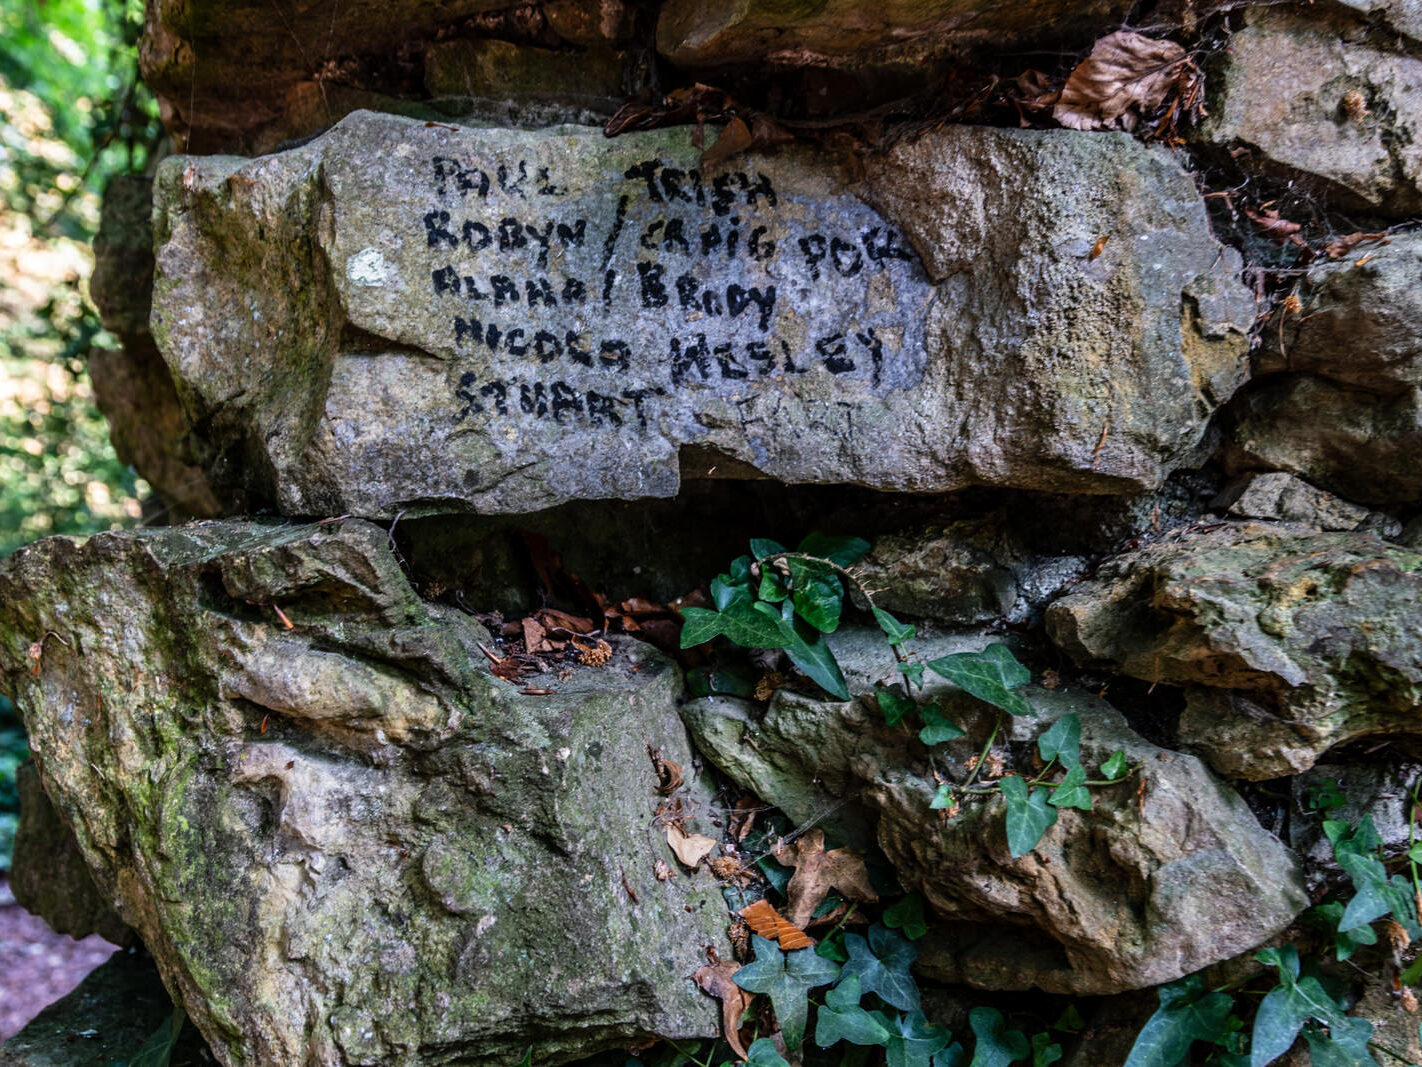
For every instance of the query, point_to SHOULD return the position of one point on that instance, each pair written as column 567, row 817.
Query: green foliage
column 991, row 675
column 1188, row 1013
column 786, row 978
column 907, row 916
column 1029, row 816
column 1062, row 741
column 882, row 965
column 1294, row 1001
column 841, row 1018
column 782, row 599
column 997, row 1046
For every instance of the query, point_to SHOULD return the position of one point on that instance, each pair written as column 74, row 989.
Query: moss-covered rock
column 344, row 840
column 1288, row 641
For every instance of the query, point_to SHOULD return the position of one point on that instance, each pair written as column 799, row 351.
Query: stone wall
column 510, row 325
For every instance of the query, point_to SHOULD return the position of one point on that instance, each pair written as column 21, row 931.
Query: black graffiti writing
column 555, row 400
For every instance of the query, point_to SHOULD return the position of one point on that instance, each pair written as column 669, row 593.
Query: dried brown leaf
column 817, row 872
column 734, row 139
column 1341, row 246
column 769, row 923
column 669, row 778
column 1126, row 76
column 690, row 849
column 717, row 981
column 1279, row 230
column 663, row 871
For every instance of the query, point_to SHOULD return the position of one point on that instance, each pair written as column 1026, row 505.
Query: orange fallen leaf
column 717, row 981
column 769, row 923
column 817, row 872
column 690, row 849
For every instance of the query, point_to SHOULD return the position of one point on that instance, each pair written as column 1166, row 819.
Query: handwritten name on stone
column 666, row 281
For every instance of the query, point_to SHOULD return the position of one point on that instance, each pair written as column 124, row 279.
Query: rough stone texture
column 244, row 76
column 1155, row 882
column 1280, row 91
column 346, row 842
column 590, row 23
column 1340, row 401
column 1291, row 641
column 345, row 326
column 1281, row 497
column 498, row 70
column 132, row 386
column 967, row 572
column 716, row 33
column 106, row 1020
column 48, row 875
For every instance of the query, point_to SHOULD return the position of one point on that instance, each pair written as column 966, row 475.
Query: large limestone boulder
column 1307, row 95
column 342, row 838
column 1339, row 400
column 1167, row 873
column 411, row 315
column 1289, row 641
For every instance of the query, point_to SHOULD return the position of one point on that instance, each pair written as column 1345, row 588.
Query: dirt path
column 40, row 965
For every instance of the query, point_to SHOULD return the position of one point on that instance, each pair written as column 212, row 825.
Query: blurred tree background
column 72, row 115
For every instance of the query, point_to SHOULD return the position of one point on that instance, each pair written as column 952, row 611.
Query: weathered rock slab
column 714, row 33
column 1289, row 641
column 1319, row 97
column 1337, row 396
column 1165, row 875
column 407, row 314
column 344, row 841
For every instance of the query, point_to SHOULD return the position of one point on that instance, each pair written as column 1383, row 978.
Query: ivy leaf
column 882, row 965
column 1115, row 766
column 1345, row 943
column 1377, row 894
column 699, row 625
column 1028, row 815
column 751, row 624
column 817, row 593
column 943, row 798
column 1292, row 1003
column 907, row 915
column 727, row 588
column 1045, row 1051
column 913, row 1040
column 773, row 588
column 842, row 1019
column 990, row 675
column 936, row 727
column 1062, row 742
column 1071, row 791
column 1187, row 1013
column 997, row 1046
column 1342, row 1046
column 893, row 704
column 952, row 1056
column 814, row 658
column 762, row 1053
column 895, row 631
column 846, row 551
column 762, row 546
column 786, row 978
